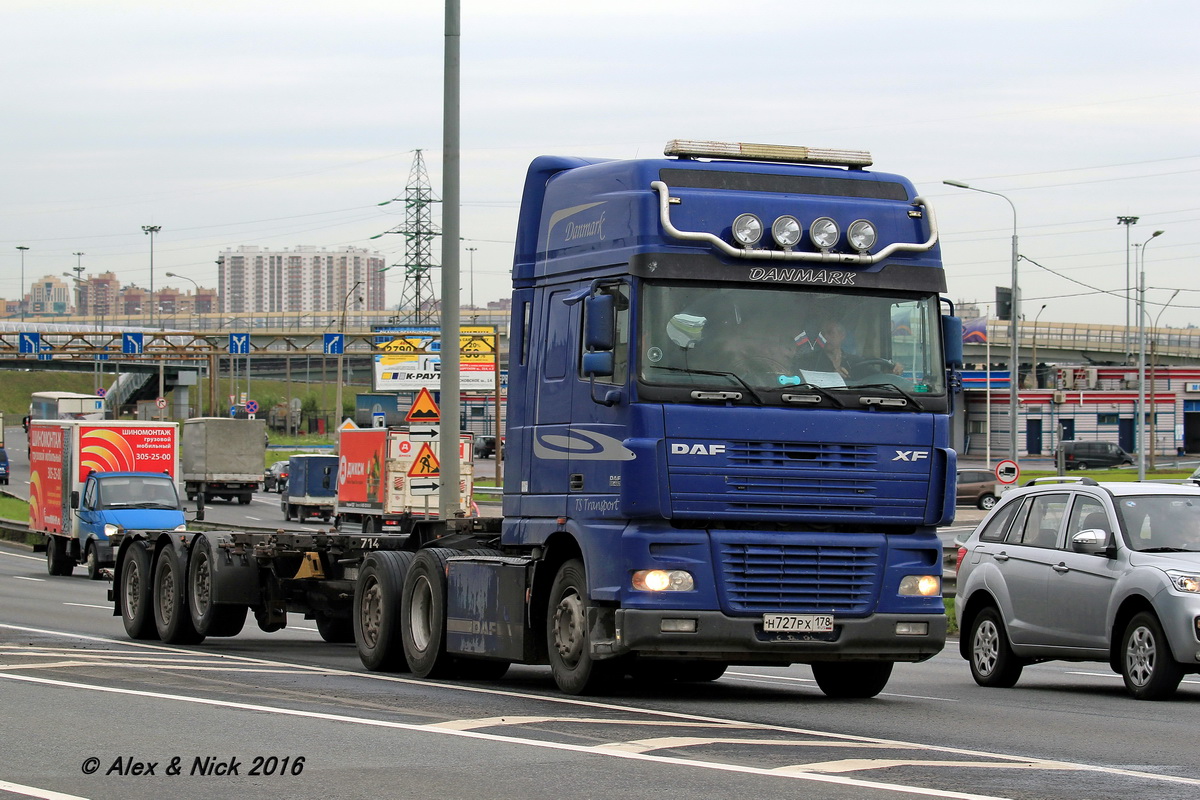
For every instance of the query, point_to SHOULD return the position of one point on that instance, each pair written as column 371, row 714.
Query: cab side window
column 89, row 496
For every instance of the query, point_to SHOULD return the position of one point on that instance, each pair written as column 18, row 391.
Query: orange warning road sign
column 426, row 464
column 424, row 409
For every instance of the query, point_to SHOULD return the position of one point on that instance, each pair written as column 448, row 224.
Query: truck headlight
column 747, row 230
column 182, row 527
column 663, row 580
column 1184, row 581
column 111, row 530
column 921, row 585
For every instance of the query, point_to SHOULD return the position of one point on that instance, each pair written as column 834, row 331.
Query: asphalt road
column 78, row 695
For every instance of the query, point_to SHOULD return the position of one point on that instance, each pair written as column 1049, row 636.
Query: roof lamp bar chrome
column 746, row 151
column 863, row 259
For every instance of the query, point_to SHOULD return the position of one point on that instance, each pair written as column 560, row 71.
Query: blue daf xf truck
column 731, row 373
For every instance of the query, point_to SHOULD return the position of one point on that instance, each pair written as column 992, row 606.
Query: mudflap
column 234, row 572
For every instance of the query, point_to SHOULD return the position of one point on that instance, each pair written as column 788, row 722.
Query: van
column 3, row 467
column 1084, row 455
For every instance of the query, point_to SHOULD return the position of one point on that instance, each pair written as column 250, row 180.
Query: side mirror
column 952, row 335
column 75, row 500
column 1092, row 541
column 599, row 332
column 598, row 364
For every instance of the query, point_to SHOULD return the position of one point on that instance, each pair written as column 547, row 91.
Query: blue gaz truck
column 731, row 374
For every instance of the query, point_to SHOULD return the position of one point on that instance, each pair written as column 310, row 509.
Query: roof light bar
column 692, row 148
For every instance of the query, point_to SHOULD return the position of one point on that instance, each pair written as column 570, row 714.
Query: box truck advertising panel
column 360, row 469
column 126, row 449
column 46, row 464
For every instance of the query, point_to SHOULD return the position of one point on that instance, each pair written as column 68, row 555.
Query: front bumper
column 742, row 639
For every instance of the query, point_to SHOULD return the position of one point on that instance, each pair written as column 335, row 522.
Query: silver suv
column 1085, row 571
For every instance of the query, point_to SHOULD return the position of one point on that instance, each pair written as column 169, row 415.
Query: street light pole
column 1154, row 397
column 1013, row 329
column 1141, row 402
column 193, row 282
column 21, row 294
column 1036, row 317
column 472, row 250
column 151, row 230
column 1127, row 221
column 341, row 351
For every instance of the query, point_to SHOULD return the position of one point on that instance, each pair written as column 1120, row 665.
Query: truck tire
column 852, row 679
column 92, row 559
column 58, row 557
column 423, row 614
column 171, row 616
column 567, row 638
column 286, row 509
column 209, row 618
column 136, row 593
column 244, row 499
column 376, row 613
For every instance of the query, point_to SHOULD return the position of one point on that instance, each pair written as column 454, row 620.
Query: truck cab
column 112, row 502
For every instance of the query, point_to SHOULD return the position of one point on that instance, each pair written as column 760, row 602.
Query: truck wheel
column 58, row 559
column 1149, row 669
column 335, row 630
column 567, row 638
column 92, row 559
column 209, row 618
column 286, row 509
column 244, row 499
column 993, row 662
column 171, row 616
column 852, row 679
column 423, row 614
column 136, row 614
column 376, row 613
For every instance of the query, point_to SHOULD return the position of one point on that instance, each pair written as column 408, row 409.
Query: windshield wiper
column 885, row 401
column 818, row 393
column 1166, row 550
column 716, row 395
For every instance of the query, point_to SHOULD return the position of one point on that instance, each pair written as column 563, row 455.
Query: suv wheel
column 1149, row 670
column 993, row 662
column 987, row 502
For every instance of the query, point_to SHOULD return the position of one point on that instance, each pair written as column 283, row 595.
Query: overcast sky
column 285, row 123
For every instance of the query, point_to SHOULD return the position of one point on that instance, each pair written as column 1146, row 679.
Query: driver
column 827, row 352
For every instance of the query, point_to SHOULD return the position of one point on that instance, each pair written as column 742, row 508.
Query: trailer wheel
column 376, row 613
column 571, row 661
column 135, row 595
column 58, row 560
column 423, row 614
column 335, row 630
column 171, row 616
column 209, row 618
column 852, row 679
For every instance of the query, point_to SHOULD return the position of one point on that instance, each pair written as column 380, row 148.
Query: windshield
column 1161, row 523
column 138, row 492
column 771, row 341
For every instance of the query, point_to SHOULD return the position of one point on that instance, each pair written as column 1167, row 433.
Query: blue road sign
column 29, row 343
column 239, row 344
column 131, row 344
column 44, row 352
column 334, row 343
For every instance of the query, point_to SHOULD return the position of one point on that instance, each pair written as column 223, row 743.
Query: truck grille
column 799, row 578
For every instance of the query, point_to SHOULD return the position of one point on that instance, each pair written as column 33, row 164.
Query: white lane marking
column 89, row 605
column 24, row 578
column 536, row 743
column 33, row 791
column 21, row 555
column 578, row 703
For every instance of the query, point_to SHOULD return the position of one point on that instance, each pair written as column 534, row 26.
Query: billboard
column 409, row 358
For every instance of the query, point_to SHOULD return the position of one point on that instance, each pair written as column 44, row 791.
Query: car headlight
column 921, row 585
column 663, row 580
column 1184, row 581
